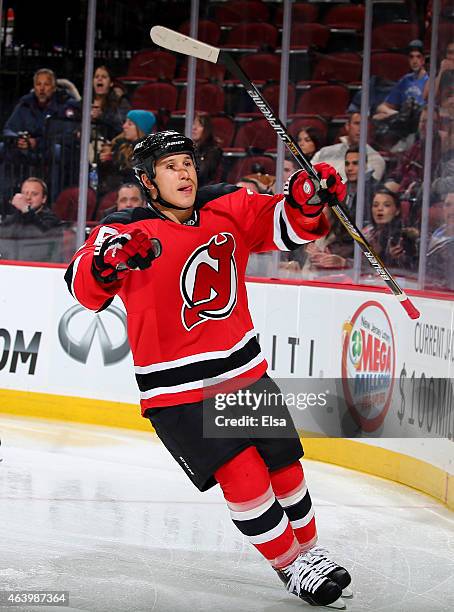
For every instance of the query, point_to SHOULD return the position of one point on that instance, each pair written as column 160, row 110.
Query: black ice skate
column 318, row 557
column 304, row 580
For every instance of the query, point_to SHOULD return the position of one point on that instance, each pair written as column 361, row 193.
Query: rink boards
column 58, row 360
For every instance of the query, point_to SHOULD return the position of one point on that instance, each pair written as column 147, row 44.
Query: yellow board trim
column 348, row 453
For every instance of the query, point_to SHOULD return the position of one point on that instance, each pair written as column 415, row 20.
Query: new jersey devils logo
column 208, row 282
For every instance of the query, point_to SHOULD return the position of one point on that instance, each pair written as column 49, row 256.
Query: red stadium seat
column 209, row 98
column 240, row 11
column 262, row 66
column 151, row 64
column 315, row 121
column 224, row 129
column 326, row 100
column 342, row 66
column 388, row 65
column 394, row 35
column 345, row 17
column 153, row 96
column 301, row 12
column 256, row 134
column 66, row 204
column 445, row 36
column 107, row 201
column 309, row 35
column 271, row 93
column 244, row 166
column 207, row 31
column 252, row 36
column 204, row 71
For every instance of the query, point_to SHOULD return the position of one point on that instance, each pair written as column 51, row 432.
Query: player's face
column 101, row 81
column 384, row 209
column 128, row 197
column 44, row 88
column 352, row 166
column 33, row 193
column 176, row 178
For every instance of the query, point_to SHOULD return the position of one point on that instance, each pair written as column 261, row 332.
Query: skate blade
column 347, row 592
column 339, row 604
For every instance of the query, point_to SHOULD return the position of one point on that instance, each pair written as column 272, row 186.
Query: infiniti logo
column 79, row 348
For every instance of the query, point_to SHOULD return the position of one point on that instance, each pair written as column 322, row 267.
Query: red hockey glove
column 124, row 252
column 333, row 190
column 302, row 191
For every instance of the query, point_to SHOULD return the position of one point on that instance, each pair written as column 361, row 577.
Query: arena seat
column 341, row 66
column 394, row 35
column 207, row 31
column 233, row 12
column 243, row 167
column 252, row 36
column 326, row 100
column 153, row 96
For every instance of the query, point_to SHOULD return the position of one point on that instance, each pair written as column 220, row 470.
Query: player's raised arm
column 289, row 221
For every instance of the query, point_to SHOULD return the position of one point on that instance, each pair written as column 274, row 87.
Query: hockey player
column 179, row 267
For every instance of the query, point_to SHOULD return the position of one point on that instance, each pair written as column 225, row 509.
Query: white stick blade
column 175, row 41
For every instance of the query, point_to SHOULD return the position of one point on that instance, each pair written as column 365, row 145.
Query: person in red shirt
column 179, row 267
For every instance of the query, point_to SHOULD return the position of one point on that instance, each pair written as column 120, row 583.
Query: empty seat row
column 345, row 67
column 324, row 99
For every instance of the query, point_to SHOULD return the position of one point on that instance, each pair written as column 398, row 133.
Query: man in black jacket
column 32, row 232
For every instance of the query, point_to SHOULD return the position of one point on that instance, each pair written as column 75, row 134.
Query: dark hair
column 110, row 100
column 352, row 149
column 208, row 138
column 314, row 134
column 132, row 186
column 388, row 192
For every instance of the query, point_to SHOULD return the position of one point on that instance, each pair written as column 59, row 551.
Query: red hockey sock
column 289, row 486
column 245, row 482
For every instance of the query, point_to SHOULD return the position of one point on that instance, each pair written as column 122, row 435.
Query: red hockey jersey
column 189, row 324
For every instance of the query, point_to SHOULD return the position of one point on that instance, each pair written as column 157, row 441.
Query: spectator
column 406, row 179
column 335, row 154
column 352, row 171
column 207, row 147
column 395, row 244
column 258, row 182
column 129, row 195
column 108, row 111
column 446, row 65
column 440, row 253
column 31, row 207
column 29, row 119
column 290, row 166
column 114, row 166
column 309, row 140
column 379, row 88
column 410, row 87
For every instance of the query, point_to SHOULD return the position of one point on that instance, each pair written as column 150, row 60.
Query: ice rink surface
column 108, row 516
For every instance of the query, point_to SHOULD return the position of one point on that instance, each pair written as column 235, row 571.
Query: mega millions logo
column 368, row 364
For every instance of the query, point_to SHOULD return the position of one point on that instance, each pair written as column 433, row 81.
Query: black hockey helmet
column 152, row 147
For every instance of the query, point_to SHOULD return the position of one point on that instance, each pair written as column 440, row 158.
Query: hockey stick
column 175, row 41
